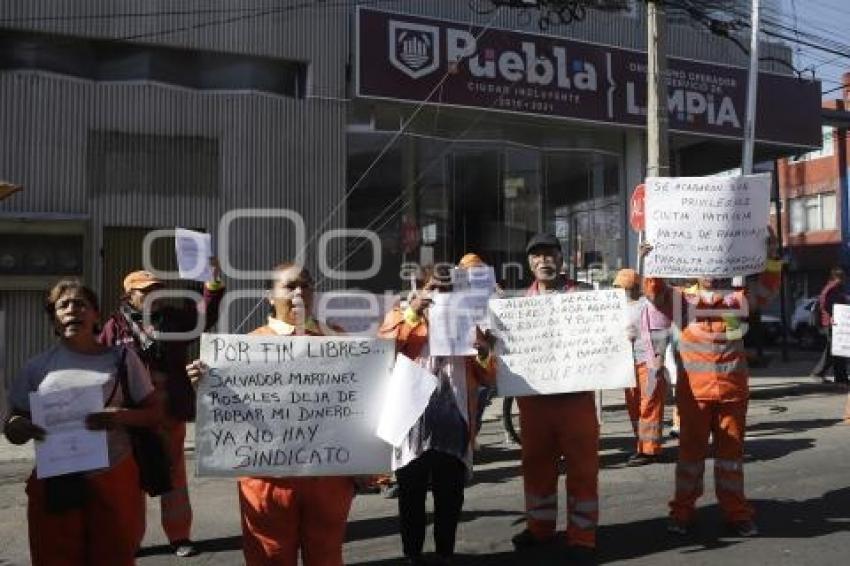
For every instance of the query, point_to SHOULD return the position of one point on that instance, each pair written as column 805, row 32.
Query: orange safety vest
column 711, row 348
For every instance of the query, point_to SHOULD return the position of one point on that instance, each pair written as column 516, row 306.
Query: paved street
column 798, row 475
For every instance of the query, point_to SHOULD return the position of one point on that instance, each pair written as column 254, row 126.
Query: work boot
column 183, row 548
column 745, row 529
column 526, row 539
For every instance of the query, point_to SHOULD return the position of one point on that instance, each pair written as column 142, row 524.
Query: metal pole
column 657, row 142
column 783, row 311
column 658, row 153
column 752, row 93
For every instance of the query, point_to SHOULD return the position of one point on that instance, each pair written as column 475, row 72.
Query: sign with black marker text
column 563, row 342
column 707, row 226
column 291, row 405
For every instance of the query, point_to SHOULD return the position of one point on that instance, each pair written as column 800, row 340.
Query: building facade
column 813, row 188
column 439, row 128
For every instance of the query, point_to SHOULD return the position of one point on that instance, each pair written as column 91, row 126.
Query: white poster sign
column 451, row 326
column 194, row 250
column 407, row 397
column 841, row 331
column 707, row 226
column 68, row 446
column 562, row 342
column 291, row 405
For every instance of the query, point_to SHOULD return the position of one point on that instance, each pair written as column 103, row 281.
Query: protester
column 437, row 450
column 645, row 401
column 166, row 360
column 282, row 516
column 485, row 392
column 92, row 518
column 712, row 394
column 554, row 426
column 833, row 293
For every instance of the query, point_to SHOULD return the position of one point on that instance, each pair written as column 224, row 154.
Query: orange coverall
column 712, row 394
column 104, row 532
column 282, row 515
column 646, row 411
column 553, row 426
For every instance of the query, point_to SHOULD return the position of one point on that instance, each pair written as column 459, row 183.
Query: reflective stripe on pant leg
column 543, row 508
column 539, row 418
column 580, row 444
column 729, row 461
column 583, row 513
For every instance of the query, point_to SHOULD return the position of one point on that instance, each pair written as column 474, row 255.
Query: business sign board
column 419, row 59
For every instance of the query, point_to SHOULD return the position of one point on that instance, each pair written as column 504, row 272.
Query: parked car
column 805, row 325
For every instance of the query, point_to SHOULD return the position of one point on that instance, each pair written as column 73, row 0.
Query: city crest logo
column 414, row 48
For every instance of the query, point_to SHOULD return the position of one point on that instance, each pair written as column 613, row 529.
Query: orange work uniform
column 104, row 532
column 712, row 394
column 646, row 411
column 282, row 515
column 554, row 426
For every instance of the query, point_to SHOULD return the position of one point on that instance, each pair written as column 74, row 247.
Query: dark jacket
column 171, row 356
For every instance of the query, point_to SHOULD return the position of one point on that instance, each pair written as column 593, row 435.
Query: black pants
column 838, row 363
column 447, row 475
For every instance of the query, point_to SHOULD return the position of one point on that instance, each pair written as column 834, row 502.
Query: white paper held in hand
column 194, row 250
column 68, row 446
column 451, row 326
column 407, row 395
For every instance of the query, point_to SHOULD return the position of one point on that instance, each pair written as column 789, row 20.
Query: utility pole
column 752, row 93
column 658, row 152
column 657, row 143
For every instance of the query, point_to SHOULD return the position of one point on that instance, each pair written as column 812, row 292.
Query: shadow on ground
column 209, row 546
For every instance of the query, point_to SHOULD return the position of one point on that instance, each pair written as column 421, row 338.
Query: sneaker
column 183, row 548
column 744, row 529
column 527, row 540
column 676, row 527
column 391, row 491
column 638, row 459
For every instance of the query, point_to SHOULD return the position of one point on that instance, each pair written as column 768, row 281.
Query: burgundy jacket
column 832, row 294
column 180, row 396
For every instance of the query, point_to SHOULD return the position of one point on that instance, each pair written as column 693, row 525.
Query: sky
column 829, row 20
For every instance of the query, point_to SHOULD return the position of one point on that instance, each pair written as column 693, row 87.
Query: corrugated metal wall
column 273, row 151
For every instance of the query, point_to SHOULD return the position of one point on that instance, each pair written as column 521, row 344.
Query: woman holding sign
column 712, row 395
column 85, row 515
column 438, row 448
column 281, row 516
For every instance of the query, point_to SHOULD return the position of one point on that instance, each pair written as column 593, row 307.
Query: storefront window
column 432, row 200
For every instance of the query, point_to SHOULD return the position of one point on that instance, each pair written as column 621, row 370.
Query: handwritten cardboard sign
column 707, row 226
column 291, row 405
column 562, row 343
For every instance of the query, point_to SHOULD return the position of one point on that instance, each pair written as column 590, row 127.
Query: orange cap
column 627, row 279
column 470, row 260
column 140, row 280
